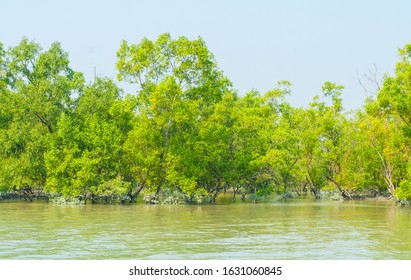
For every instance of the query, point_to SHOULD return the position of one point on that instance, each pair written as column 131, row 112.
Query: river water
column 299, row 229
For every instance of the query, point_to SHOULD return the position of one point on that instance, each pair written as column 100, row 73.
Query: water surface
column 299, row 229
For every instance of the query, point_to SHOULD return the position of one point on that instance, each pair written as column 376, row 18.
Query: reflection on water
column 298, row 229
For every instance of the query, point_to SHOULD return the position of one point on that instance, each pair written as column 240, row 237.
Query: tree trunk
column 234, row 193
column 345, row 194
column 388, row 179
column 317, row 193
column 387, row 173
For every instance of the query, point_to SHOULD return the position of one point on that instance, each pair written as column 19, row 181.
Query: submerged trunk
column 234, row 193
column 214, row 197
column 27, row 193
column 316, row 192
column 133, row 196
column 345, row 194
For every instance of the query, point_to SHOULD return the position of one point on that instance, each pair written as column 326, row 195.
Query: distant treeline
column 185, row 135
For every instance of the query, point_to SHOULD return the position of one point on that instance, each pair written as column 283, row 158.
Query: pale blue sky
column 256, row 43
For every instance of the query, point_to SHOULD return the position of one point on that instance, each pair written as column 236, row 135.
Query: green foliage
column 280, row 162
column 395, row 96
column 189, row 62
column 84, row 158
column 39, row 86
column 186, row 136
column 179, row 84
column 404, row 190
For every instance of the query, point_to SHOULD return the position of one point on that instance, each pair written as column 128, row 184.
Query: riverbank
column 179, row 198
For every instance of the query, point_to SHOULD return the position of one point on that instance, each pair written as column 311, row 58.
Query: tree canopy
column 185, row 135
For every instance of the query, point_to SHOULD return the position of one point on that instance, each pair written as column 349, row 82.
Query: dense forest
column 185, row 135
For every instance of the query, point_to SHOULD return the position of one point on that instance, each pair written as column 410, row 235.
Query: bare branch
column 371, row 81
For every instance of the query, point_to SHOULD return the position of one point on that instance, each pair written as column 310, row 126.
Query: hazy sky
column 256, row 43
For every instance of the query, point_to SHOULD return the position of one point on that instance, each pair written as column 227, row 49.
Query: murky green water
column 292, row 230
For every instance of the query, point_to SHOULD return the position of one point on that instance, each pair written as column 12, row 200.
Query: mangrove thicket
column 185, row 135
